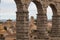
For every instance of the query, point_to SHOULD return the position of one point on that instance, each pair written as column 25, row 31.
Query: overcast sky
column 8, row 10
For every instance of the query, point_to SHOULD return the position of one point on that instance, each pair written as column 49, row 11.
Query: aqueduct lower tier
column 22, row 19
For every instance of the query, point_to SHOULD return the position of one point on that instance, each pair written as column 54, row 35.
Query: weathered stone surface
column 22, row 19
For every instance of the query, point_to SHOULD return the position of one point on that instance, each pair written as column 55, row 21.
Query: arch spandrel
column 54, row 7
column 22, row 5
column 58, row 8
column 19, row 5
column 25, row 1
column 18, row 1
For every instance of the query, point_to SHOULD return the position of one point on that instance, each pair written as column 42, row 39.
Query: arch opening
column 32, row 17
column 51, row 11
column 32, row 10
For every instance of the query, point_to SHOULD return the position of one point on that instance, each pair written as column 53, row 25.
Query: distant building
column 8, row 29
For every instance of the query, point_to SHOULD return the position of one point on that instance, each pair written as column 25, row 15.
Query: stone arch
column 39, row 10
column 41, row 19
column 55, row 32
column 54, row 9
column 38, row 5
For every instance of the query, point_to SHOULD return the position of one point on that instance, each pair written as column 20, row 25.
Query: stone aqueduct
column 22, row 19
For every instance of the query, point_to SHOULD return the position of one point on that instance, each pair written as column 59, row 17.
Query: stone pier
column 41, row 26
column 22, row 26
column 55, row 32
